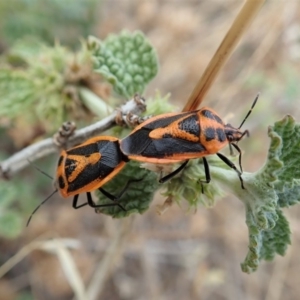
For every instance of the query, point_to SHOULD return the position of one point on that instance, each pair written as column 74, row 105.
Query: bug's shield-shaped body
column 88, row 166
column 176, row 136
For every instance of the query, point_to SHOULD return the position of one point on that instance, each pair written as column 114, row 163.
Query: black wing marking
column 170, row 146
column 138, row 141
column 111, row 155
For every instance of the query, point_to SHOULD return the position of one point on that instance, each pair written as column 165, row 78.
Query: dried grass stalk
column 236, row 31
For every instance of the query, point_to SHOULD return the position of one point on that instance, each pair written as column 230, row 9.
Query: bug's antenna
column 249, row 112
column 40, row 206
column 37, row 168
column 41, row 171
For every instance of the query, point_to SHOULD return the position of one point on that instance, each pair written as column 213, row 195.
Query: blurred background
column 179, row 255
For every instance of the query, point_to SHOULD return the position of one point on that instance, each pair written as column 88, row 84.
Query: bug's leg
column 207, row 174
column 113, row 198
column 169, row 176
column 116, row 198
column 75, row 200
column 231, row 165
column 91, row 203
column 231, row 150
column 240, row 155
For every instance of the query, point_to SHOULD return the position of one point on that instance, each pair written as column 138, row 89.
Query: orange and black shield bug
column 182, row 136
column 87, row 167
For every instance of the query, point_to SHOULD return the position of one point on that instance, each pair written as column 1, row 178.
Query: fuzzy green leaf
column 47, row 83
column 289, row 197
column 11, row 224
column 41, row 88
column 8, row 194
column 127, row 61
column 17, row 201
column 282, row 167
column 137, row 196
column 264, row 244
column 275, row 185
column 190, row 185
column 17, row 92
column 159, row 104
column 277, row 239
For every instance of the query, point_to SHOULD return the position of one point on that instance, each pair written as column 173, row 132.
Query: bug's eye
column 230, row 137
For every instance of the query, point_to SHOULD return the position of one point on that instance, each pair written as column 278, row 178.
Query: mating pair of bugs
column 166, row 138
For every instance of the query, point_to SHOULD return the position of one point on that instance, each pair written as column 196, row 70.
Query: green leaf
column 284, row 154
column 127, row 61
column 11, row 224
column 17, row 191
column 289, row 197
column 137, row 196
column 275, row 185
column 189, row 185
column 17, row 92
column 159, row 104
column 45, row 87
column 282, row 166
column 17, row 201
column 8, row 194
column 264, row 244
column 277, row 239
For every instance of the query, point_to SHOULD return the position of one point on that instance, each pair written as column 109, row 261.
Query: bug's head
column 233, row 134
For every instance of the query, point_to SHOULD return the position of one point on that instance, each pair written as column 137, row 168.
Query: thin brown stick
column 236, row 31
